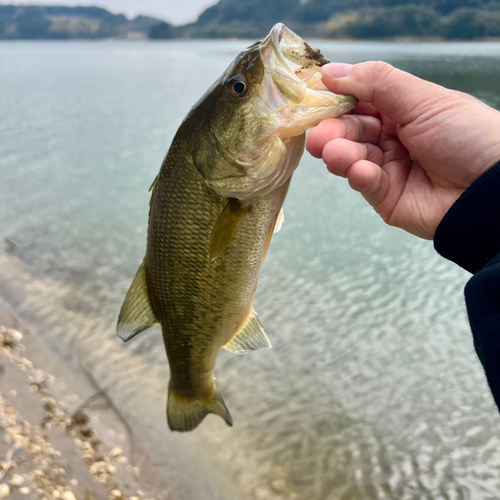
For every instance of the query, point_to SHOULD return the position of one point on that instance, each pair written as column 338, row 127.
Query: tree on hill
column 59, row 22
column 350, row 18
column 161, row 31
column 258, row 12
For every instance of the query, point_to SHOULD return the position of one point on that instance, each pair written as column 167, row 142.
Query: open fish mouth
column 293, row 67
column 284, row 103
column 296, row 62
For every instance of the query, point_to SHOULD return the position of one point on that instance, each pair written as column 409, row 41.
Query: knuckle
column 355, row 128
column 457, row 94
column 372, row 154
column 381, row 70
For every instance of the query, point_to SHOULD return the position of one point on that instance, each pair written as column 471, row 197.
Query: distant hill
column 364, row 19
column 52, row 22
column 355, row 19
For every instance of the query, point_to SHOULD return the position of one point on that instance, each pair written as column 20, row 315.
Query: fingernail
column 337, row 70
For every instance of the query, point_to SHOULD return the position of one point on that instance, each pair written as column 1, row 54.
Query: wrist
column 469, row 233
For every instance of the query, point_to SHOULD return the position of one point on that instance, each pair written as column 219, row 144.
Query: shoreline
column 61, row 436
column 401, row 39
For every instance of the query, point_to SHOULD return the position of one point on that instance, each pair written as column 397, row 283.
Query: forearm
column 469, row 235
column 482, row 296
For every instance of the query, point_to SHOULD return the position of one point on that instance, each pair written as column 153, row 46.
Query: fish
column 214, row 208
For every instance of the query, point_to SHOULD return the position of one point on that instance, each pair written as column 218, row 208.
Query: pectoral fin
column 226, row 226
column 136, row 314
column 279, row 220
column 250, row 336
column 274, row 228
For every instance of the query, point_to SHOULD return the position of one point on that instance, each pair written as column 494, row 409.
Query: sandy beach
column 60, row 435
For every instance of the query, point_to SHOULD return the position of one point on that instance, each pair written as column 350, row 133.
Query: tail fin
column 184, row 414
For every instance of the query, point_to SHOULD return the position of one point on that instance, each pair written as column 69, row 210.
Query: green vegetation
column 356, row 19
column 39, row 22
column 161, row 31
column 363, row 19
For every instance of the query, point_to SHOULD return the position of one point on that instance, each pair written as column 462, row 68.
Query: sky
column 173, row 11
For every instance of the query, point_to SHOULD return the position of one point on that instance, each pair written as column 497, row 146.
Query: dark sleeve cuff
column 469, row 233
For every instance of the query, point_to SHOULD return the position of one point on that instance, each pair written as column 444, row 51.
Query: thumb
column 393, row 92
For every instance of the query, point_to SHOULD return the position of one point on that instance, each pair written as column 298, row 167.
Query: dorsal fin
column 250, row 336
column 226, row 227
column 153, row 185
column 136, row 313
column 152, row 191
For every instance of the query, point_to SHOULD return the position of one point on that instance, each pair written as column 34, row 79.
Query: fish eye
column 238, row 86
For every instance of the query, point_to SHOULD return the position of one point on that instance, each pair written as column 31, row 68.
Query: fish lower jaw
column 306, row 115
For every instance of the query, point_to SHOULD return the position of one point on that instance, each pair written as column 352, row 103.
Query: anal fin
column 136, row 313
column 250, row 336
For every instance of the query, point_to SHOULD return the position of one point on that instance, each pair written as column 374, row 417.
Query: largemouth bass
column 214, row 207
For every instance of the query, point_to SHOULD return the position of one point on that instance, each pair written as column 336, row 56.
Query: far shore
column 235, row 39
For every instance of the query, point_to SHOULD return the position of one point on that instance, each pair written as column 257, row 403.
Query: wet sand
column 60, row 435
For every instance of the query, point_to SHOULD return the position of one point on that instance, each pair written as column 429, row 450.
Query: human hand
column 411, row 147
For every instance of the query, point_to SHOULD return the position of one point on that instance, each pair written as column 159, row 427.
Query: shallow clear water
column 372, row 389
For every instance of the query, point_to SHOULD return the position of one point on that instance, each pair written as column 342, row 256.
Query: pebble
column 27, row 362
column 12, row 337
column 24, row 491
column 16, row 480
column 68, row 495
column 56, row 494
column 116, row 452
column 38, row 377
column 115, row 495
column 80, row 418
column 49, row 404
column 98, row 467
column 4, row 491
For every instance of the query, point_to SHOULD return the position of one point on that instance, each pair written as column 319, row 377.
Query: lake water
column 372, row 389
